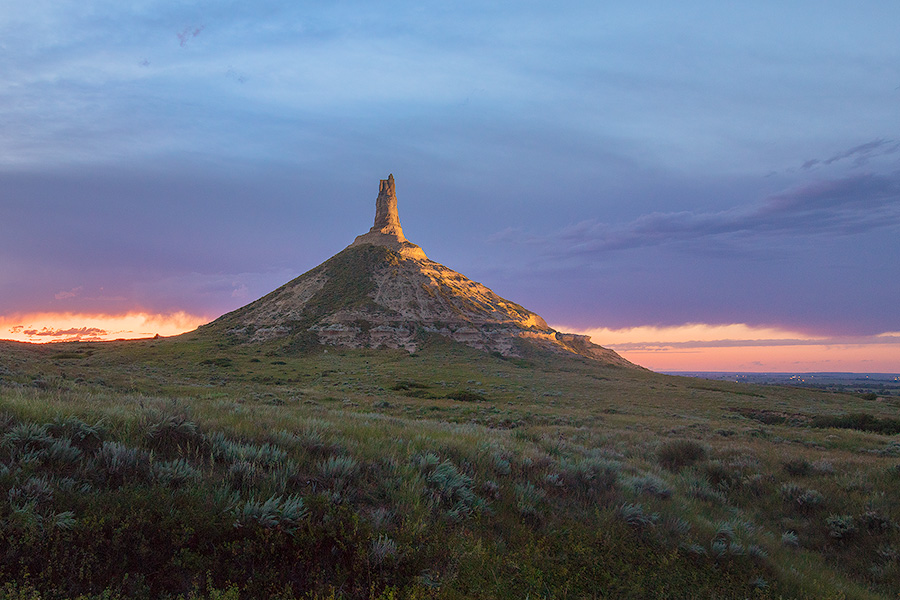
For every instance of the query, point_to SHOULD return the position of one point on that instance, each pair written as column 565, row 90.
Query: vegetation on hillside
column 185, row 467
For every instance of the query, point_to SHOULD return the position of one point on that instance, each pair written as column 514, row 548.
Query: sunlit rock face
column 387, row 230
column 383, row 291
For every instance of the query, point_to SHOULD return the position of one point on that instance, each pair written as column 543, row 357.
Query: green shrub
column 634, row 516
column 118, row 464
column 529, row 499
column 650, row 485
column 676, row 454
column 467, row 396
column 876, row 523
column 62, row 453
column 797, row 467
column 242, row 475
column 175, row 473
column 264, row 455
column 450, row 488
column 588, row 475
column 35, row 490
column 85, row 437
column 804, row 500
column 25, row 439
column 860, row 421
column 841, row 527
column 383, row 550
column 700, row 489
column 338, row 469
column 172, row 433
column 273, row 512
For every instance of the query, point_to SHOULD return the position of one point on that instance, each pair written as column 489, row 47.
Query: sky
column 698, row 185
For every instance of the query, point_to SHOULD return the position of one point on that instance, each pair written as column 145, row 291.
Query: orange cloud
column 740, row 347
column 71, row 327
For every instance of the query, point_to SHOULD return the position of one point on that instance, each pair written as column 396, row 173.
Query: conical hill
column 383, row 291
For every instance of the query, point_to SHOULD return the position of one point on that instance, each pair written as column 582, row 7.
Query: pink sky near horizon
column 689, row 347
column 739, row 347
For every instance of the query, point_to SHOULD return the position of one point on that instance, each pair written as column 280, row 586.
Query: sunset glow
column 67, row 327
column 739, row 347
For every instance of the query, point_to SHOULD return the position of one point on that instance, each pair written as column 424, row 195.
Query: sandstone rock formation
column 387, row 230
column 383, row 291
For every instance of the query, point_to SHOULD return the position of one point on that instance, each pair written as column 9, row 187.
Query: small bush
column 338, row 469
column 25, row 438
column 591, row 474
column 810, row 500
column 175, row 474
column 649, row 485
column 467, row 396
column 274, row 512
column 676, row 454
column 383, row 550
column 822, row 467
column 265, row 455
column 634, row 516
column 529, row 499
column 243, row 475
column 118, row 463
column 36, row 490
column 700, row 489
column 450, row 488
column 85, row 437
column 797, row 467
column 876, row 523
column 840, row 527
column 790, row 538
column 859, row 421
column 805, row 500
column 62, row 453
column 313, row 436
column 172, row 433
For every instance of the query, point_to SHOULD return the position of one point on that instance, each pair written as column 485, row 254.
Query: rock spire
column 386, row 217
column 387, row 230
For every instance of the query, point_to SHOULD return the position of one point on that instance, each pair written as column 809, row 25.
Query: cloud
column 72, row 331
column 860, row 154
column 67, row 327
column 187, row 34
column 741, row 347
column 73, row 293
column 844, row 206
column 240, row 290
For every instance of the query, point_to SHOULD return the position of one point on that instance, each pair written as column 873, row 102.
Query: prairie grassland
column 186, row 467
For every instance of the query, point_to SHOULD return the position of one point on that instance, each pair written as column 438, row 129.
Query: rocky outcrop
column 383, row 291
column 387, row 230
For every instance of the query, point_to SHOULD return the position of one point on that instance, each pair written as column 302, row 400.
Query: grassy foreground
column 186, row 468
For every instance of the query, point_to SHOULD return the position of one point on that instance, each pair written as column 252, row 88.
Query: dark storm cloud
column 844, row 206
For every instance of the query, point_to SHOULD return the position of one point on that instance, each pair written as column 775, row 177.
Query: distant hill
column 383, row 291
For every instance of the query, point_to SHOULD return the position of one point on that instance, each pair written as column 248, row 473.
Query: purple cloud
column 837, row 207
column 860, row 154
column 66, row 294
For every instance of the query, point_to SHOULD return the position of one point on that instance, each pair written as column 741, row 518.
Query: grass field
column 186, row 467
